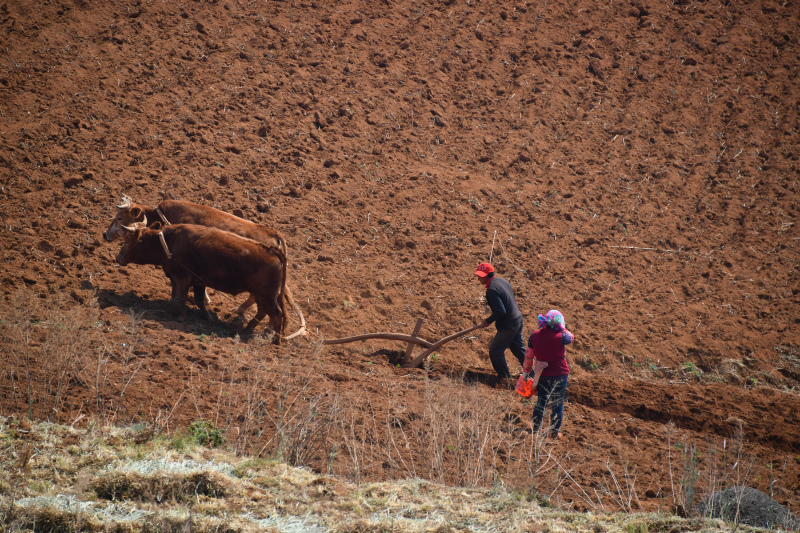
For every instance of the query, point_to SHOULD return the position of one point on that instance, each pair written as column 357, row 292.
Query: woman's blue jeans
column 551, row 389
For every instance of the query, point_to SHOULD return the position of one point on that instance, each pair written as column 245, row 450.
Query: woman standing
column 547, row 344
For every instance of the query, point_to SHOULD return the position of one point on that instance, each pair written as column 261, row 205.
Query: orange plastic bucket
column 525, row 387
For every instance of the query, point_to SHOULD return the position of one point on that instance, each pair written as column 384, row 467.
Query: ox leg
column 242, row 308
column 181, row 290
column 275, row 321
column 173, row 296
column 268, row 307
column 252, row 299
column 200, row 299
column 260, row 314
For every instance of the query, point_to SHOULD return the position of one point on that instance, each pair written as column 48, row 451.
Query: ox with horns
column 181, row 212
column 200, row 256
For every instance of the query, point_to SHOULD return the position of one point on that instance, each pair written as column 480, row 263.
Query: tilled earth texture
column 632, row 164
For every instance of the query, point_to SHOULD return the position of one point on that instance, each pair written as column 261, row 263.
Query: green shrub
column 206, row 434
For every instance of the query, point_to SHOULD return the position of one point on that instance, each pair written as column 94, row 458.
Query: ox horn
column 125, row 204
column 133, row 227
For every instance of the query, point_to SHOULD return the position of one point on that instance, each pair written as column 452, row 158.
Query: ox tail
column 284, row 249
column 281, row 253
column 282, row 296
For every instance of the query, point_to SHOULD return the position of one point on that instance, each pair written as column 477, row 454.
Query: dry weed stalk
column 303, row 423
column 363, row 439
column 241, row 404
column 477, row 436
column 683, row 497
column 47, row 348
column 730, row 467
column 624, row 496
column 394, row 424
column 129, row 359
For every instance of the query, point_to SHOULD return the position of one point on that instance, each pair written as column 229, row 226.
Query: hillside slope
column 631, row 164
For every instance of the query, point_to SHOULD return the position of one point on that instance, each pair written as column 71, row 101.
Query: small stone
column 76, row 224
column 595, row 68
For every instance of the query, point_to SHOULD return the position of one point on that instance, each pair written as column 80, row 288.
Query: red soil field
column 632, row 164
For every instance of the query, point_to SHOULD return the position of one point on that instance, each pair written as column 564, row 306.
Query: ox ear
column 137, row 212
column 157, row 226
column 125, row 204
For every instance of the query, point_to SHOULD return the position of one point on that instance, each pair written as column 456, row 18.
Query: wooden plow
column 413, row 340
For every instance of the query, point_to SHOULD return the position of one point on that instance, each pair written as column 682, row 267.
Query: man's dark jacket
column 500, row 297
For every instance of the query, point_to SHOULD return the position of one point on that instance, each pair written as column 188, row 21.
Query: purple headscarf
column 553, row 319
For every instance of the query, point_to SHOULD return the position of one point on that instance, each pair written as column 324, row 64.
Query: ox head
column 127, row 214
column 133, row 236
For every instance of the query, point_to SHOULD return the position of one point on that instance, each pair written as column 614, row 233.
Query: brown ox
column 200, row 256
column 180, row 212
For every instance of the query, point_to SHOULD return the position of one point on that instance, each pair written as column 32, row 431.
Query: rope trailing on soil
column 302, row 329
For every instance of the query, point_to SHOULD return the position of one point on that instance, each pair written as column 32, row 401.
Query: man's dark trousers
column 504, row 339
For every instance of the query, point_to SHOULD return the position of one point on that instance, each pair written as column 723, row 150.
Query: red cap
column 484, row 269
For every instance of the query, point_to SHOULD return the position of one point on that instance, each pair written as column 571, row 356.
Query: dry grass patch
column 125, row 487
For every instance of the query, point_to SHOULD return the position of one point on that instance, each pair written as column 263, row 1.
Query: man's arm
column 496, row 305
